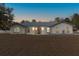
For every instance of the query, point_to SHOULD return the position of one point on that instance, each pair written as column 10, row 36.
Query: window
column 17, row 29
column 68, row 31
column 48, row 29
column 57, row 31
column 56, row 27
column 67, row 27
column 34, row 28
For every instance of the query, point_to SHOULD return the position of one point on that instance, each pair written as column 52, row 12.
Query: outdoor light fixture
column 42, row 28
column 33, row 28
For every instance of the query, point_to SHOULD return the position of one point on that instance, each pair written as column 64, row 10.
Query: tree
column 23, row 21
column 75, row 20
column 57, row 19
column 67, row 20
column 6, row 17
column 33, row 20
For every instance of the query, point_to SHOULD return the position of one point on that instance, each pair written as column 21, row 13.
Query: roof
column 46, row 24
column 61, row 22
column 15, row 23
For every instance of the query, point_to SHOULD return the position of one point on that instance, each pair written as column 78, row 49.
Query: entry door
column 63, row 31
column 39, row 30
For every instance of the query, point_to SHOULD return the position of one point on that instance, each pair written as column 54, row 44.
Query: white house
column 42, row 28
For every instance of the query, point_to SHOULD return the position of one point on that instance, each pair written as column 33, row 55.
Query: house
column 43, row 28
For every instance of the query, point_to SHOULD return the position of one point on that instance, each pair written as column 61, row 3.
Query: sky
column 42, row 11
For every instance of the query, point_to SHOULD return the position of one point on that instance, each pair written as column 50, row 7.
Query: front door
column 39, row 30
column 63, row 31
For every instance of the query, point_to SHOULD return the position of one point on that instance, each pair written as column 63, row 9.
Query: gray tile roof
column 45, row 24
column 38, row 24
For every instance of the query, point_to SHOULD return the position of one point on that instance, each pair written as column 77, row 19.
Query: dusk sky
column 43, row 11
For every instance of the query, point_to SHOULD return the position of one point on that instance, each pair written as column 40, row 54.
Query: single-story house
column 42, row 28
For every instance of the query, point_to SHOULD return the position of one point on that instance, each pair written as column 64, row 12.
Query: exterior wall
column 21, row 30
column 42, row 29
column 62, row 28
column 31, row 31
column 43, row 32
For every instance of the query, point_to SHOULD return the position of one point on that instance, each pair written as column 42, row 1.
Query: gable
column 15, row 26
column 63, row 25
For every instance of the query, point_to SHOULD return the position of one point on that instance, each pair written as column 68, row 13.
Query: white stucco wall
column 43, row 30
column 62, row 28
column 31, row 30
column 21, row 30
column 58, row 29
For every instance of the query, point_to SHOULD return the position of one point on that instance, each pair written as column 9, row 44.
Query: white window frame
column 48, row 29
column 17, row 29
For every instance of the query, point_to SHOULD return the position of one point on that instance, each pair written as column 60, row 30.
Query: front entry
column 39, row 30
